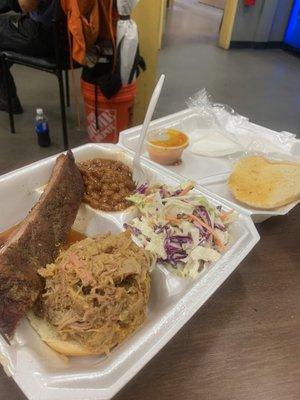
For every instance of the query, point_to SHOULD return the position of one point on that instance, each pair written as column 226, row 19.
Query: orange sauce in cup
column 166, row 146
column 173, row 138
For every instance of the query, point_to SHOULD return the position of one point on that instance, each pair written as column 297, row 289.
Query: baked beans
column 107, row 184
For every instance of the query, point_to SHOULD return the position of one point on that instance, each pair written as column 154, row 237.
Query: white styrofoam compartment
column 43, row 374
column 209, row 172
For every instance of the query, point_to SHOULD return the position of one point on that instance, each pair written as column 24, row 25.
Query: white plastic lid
column 39, row 111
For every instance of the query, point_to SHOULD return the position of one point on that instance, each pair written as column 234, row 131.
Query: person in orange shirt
column 27, row 31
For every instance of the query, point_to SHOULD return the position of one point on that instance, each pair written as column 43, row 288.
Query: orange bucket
column 114, row 114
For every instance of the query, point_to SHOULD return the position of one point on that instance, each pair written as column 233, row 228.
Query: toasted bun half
column 52, row 339
column 261, row 183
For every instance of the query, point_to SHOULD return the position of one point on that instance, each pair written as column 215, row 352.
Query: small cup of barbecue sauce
column 165, row 146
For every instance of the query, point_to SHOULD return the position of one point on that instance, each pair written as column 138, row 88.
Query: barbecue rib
column 36, row 241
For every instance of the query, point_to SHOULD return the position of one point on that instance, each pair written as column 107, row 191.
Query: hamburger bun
column 51, row 338
column 261, row 183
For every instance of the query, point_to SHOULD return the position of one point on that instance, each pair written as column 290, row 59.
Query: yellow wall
column 227, row 23
column 148, row 16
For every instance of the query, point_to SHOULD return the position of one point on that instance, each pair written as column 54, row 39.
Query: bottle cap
column 39, row 111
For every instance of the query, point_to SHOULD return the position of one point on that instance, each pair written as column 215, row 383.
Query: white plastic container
column 43, row 374
column 209, row 172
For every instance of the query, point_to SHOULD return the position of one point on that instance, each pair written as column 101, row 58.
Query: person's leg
column 9, row 5
column 6, row 6
column 5, row 32
column 21, row 34
column 16, row 105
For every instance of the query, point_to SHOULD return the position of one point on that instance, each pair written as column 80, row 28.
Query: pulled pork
column 97, row 291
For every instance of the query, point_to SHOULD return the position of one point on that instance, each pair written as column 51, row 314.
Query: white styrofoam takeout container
column 43, row 374
column 209, row 172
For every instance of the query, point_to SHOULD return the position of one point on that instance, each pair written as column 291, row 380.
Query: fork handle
column 149, row 114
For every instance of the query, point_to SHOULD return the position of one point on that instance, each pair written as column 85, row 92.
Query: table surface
column 244, row 342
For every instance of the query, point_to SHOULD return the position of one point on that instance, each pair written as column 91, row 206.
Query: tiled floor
column 261, row 84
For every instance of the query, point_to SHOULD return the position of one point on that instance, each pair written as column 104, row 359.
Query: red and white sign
column 107, row 126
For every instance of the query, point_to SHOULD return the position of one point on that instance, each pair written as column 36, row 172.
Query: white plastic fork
column 139, row 175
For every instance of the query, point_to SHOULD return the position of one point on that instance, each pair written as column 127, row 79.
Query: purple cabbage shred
column 142, row 188
column 176, row 193
column 135, row 231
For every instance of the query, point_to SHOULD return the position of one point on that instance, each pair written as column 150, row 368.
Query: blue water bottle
column 42, row 128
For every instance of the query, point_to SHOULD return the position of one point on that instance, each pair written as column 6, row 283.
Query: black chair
column 57, row 65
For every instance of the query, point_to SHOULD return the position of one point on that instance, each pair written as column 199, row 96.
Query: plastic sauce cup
column 165, row 146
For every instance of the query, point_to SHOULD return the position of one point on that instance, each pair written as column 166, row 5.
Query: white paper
column 211, row 143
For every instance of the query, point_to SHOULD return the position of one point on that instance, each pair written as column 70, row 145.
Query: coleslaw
column 180, row 227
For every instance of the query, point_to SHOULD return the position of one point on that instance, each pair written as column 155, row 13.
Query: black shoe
column 16, row 105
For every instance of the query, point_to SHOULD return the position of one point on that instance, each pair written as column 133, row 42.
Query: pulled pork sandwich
column 96, row 294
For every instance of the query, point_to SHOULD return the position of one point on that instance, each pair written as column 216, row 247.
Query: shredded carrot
column 173, row 220
column 192, row 217
column 210, row 229
column 218, row 242
column 224, row 215
column 186, row 190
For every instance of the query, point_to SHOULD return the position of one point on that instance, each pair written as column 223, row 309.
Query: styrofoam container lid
column 209, row 172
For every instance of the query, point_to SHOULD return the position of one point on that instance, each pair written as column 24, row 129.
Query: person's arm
column 28, row 5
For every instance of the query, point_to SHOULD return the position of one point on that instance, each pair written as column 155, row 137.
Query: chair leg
column 8, row 95
column 63, row 109
column 67, row 87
